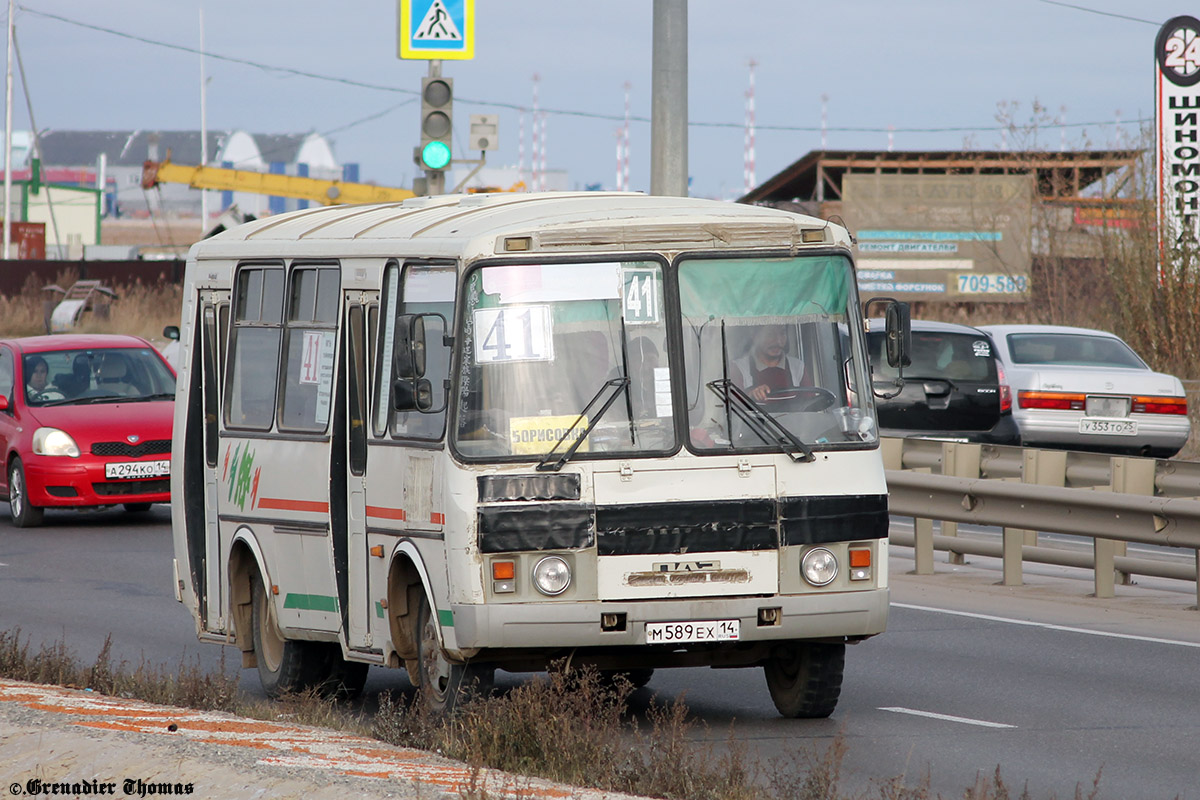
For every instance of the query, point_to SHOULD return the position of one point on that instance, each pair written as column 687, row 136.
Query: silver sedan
column 1086, row 389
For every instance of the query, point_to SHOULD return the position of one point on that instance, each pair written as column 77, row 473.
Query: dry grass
column 138, row 309
column 575, row 727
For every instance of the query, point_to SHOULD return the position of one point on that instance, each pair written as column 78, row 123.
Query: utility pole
column 8, row 93
column 203, row 129
column 669, row 110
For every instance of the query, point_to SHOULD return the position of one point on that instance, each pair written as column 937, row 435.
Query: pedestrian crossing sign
column 437, row 29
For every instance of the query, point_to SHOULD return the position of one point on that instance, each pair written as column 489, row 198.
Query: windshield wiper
column 62, row 401
column 616, row 383
column 159, row 396
column 628, row 386
column 768, row 428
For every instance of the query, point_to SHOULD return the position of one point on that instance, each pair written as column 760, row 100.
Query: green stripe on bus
column 446, row 618
column 311, row 602
column 379, row 609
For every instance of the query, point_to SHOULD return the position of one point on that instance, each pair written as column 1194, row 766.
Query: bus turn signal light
column 860, row 564
column 504, row 574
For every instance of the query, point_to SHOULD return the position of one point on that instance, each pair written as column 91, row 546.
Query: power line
column 1100, row 13
column 570, row 112
column 217, row 56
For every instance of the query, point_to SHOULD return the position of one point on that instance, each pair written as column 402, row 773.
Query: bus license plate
column 137, row 469
column 1118, row 427
column 715, row 630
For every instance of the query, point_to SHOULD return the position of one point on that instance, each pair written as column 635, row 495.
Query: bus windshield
column 772, row 355
column 553, row 350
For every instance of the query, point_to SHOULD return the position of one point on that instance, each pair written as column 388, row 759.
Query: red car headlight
column 53, row 442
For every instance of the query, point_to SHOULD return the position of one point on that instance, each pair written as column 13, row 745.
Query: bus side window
column 253, row 365
column 310, row 347
column 428, row 289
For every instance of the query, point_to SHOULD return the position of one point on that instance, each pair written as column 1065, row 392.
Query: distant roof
column 818, row 175
column 131, row 148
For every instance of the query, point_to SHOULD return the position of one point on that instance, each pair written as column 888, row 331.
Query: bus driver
column 767, row 368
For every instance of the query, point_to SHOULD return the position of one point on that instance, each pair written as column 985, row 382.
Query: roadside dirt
column 72, row 743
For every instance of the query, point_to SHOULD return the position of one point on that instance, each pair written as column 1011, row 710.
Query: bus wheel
column 805, row 678
column 344, row 679
column 445, row 684
column 284, row 665
column 24, row 515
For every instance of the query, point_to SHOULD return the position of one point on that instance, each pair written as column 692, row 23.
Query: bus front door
column 207, row 574
column 348, row 463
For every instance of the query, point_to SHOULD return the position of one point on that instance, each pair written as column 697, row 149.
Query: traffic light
column 437, row 122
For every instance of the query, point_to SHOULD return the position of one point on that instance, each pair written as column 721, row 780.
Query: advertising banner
column 1177, row 106
column 953, row 238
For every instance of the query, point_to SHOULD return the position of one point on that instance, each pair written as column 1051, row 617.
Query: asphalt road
column 1052, row 686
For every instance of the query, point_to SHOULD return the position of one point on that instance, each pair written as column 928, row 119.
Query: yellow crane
column 326, row 192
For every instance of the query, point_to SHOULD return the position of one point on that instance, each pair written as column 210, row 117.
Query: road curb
column 54, row 736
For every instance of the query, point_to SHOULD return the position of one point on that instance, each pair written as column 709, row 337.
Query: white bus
column 462, row 433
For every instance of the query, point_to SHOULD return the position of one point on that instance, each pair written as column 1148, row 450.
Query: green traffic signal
column 435, row 155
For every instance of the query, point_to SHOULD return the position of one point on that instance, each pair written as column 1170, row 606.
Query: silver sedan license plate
column 713, row 630
column 137, row 469
column 1117, row 427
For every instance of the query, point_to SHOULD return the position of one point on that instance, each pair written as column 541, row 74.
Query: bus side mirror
column 411, row 390
column 409, row 347
column 898, row 334
column 412, row 395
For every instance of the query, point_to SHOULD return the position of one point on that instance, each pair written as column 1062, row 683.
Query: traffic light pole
column 435, row 179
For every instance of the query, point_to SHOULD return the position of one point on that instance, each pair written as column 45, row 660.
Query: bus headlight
column 551, row 576
column 53, row 442
column 819, row 566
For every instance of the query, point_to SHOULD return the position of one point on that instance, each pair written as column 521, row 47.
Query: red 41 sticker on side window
column 316, row 343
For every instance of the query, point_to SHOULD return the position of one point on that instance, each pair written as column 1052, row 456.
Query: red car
column 85, row 423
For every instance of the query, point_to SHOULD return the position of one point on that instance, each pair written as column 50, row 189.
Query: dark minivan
column 954, row 388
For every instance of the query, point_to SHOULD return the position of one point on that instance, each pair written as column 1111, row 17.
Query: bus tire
column 24, row 513
column 805, row 678
column 444, row 684
column 285, row 665
column 344, row 680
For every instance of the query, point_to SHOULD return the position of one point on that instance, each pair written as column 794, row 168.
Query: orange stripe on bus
column 386, row 513
column 438, row 519
column 282, row 504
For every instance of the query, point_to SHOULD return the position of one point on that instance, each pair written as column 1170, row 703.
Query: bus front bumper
column 553, row 626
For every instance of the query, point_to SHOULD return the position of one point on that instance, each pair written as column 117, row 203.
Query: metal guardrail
column 1111, row 499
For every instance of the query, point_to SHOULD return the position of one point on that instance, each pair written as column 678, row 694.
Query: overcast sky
column 934, row 70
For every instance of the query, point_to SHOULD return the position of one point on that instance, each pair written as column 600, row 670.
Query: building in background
column 954, row 227
column 112, row 162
